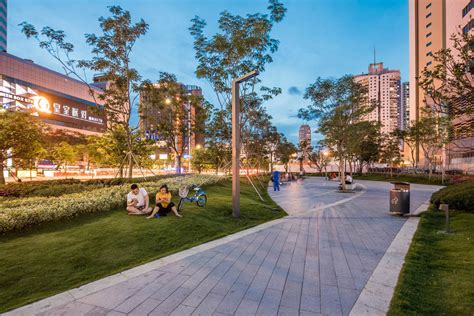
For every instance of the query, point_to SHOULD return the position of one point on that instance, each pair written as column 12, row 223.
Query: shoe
column 157, row 216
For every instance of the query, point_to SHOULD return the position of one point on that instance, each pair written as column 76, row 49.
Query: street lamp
column 236, row 141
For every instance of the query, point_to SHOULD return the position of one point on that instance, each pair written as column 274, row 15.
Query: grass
column 438, row 275
column 55, row 257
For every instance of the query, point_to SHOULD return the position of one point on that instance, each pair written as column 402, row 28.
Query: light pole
column 236, row 141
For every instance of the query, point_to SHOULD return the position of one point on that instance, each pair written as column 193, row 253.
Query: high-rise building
column 148, row 117
column 305, row 134
column 431, row 24
column 383, row 86
column 404, row 109
column 3, row 25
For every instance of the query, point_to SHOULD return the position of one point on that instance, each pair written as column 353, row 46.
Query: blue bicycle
column 199, row 197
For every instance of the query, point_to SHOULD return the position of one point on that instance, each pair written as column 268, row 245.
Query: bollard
column 445, row 208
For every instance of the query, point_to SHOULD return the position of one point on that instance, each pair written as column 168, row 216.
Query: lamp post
column 236, row 141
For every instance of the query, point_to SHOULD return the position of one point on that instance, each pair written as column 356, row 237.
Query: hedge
column 16, row 214
column 459, row 197
column 66, row 186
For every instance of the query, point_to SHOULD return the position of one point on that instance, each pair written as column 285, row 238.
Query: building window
column 468, row 26
column 429, row 54
column 467, row 8
column 428, row 15
column 429, row 63
column 428, row 25
column 428, row 44
column 428, row 5
column 428, row 35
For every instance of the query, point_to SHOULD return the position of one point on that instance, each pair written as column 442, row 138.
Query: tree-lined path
column 315, row 261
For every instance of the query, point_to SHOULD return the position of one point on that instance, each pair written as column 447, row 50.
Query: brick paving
column 314, row 262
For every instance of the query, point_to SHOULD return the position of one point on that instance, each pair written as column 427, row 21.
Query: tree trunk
column 342, row 173
column 2, row 177
column 130, row 166
column 271, row 162
column 178, row 164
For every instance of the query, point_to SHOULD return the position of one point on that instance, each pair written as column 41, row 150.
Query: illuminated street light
column 168, row 101
column 236, row 141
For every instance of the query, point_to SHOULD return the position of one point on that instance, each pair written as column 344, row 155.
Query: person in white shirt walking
column 138, row 201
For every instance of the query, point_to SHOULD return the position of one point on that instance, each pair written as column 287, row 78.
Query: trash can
column 400, row 198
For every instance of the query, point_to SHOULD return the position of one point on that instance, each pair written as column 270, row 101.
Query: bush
column 20, row 213
column 459, row 197
column 67, row 186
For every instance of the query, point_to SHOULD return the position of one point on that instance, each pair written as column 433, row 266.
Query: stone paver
column 316, row 261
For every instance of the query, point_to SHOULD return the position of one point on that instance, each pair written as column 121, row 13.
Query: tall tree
column 112, row 57
column 285, row 152
column 243, row 44
column 20, row 138
column 448, row 85
column 336, row 104
column 390, row 151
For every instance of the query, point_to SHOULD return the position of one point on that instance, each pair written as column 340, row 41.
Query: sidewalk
column 315, row 261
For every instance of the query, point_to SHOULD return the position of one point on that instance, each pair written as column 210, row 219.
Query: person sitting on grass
column 138, row 201
column 163, row 203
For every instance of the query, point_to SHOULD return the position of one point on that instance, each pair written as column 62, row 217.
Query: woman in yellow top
column 163, row 203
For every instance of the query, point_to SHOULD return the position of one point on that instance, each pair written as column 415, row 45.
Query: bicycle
column 199, row 197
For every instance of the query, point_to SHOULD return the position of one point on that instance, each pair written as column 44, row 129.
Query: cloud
column 294, row 91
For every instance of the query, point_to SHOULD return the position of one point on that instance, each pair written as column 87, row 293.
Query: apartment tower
column 404, row 110
column 383, row 86
column 305, row 134
column 431, row 24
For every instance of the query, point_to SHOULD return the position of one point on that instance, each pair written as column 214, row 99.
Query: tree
column 20, row 138
column 390, row 151
column 64, row 154
column 449, row 88
column 336, row 104
column 285, row 151
column 364, row 144
column 112, row 58
column 200, row 159
column 304, row 150
column 319, row 157
column 433, row 135
column 176, row 114
column 242, row 45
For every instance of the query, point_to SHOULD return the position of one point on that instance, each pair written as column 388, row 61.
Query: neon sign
column 41, row 104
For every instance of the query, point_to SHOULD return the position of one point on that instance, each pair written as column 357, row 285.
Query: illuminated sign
column 42, row 105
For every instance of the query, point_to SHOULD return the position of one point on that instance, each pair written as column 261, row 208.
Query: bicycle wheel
column 180, row 204
column 201, row 200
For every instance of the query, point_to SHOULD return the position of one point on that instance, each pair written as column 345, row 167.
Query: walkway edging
column 377, row 294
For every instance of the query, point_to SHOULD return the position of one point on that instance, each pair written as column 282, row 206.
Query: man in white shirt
column 138, row 201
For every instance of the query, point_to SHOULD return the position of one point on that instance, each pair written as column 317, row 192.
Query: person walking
column 276, row 180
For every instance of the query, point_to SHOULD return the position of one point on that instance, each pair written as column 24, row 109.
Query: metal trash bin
column 400, row 198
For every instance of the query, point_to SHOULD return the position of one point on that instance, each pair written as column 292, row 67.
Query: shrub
column 20, row 213
column 458, row 196
column 67, row 186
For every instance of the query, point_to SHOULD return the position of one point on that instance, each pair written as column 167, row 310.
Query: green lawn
column 438, row 275
column 58, row 256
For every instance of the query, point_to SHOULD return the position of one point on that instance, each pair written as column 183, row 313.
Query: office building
column 3, row 25
column 59, row 101
column 149, row 115
column 383, row 86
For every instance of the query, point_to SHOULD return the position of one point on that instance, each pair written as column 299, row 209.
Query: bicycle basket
column 183, row 191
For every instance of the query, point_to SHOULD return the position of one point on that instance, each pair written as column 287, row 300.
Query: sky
column 318, row 38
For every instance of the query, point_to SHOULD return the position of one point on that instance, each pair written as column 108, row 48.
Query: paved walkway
column 314, row 262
